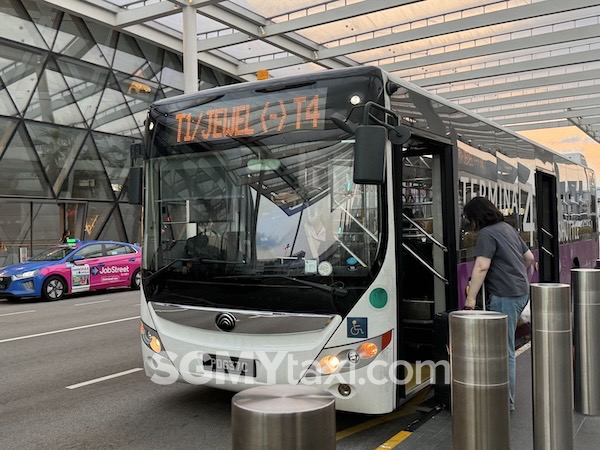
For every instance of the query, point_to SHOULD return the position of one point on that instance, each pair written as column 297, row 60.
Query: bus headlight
column 150, row 338
column 368, row 350
column 349, row 357
column 329, row 364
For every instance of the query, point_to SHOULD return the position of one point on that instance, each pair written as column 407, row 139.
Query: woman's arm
column 480, row 269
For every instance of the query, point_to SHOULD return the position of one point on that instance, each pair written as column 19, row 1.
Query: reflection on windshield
column 226, row 218
column 52, row 254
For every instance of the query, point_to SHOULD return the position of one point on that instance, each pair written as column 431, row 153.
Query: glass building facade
column 73, row 98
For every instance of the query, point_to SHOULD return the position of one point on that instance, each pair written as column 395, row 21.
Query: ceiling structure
column 526, row 64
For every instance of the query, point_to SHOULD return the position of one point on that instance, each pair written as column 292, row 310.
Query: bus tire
column 54, row 288
column 136, row 280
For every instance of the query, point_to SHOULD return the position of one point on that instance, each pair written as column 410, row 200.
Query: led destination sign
column 263, row 114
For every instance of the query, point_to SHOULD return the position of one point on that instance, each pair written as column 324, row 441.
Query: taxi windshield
column 53, row 253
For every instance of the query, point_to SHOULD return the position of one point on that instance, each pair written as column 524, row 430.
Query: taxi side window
column 117, row 249
column 91, row 251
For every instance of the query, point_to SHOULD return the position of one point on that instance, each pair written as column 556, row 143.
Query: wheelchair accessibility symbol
column 356, row 327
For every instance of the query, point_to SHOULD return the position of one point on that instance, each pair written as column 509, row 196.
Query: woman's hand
column 470, row 303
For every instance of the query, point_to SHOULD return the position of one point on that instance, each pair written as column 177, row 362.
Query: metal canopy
column 527, row 64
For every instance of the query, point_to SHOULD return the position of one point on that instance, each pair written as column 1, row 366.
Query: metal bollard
column 283, row 417
column 552, row 366
column 480, row 389
column 586, row 332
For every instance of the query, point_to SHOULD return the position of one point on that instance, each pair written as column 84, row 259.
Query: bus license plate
column 230, row 365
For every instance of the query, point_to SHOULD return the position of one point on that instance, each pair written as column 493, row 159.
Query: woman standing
column 501, row 259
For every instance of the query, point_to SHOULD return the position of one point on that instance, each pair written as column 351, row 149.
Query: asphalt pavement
column 71, row 377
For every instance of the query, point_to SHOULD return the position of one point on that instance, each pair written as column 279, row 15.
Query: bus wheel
column 136, row 279
column 54, row 288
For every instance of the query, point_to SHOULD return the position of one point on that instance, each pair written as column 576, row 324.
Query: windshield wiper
column 200, row 260
column 323, row 287
column 153, row 275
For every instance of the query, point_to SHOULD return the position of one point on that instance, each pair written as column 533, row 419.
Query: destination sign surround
column 262, row 114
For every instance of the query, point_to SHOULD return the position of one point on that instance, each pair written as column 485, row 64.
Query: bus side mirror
column 134, row 188
column 369, row 154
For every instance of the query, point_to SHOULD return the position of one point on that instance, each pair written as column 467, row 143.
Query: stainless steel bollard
column 480, row 389
column 279, row 417
column 585, row 284
column 552, row 366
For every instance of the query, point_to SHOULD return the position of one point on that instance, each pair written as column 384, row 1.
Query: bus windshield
column 250, row 202
column 292, row 221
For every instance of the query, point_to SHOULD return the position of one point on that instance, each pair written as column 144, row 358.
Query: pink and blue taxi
column 76, row 266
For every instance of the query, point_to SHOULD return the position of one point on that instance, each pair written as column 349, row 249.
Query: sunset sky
column 568, row 140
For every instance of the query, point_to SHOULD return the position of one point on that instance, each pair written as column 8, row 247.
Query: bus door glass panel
column 547, row 229
column 423, row 286
column 93, row 261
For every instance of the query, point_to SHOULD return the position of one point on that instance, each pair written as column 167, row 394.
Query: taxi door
column 84, row 272
column 119, row 265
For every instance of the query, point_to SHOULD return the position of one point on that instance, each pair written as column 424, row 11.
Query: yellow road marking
column 395, row 440
column 407, row 409
column 374, row 422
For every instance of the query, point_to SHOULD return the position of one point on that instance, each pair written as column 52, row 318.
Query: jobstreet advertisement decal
column 110, row 273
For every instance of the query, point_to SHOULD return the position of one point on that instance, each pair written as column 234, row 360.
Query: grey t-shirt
column 507, row 275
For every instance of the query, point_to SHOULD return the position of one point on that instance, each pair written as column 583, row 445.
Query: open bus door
column 547, row 226
column 424, row 202
column 425, row 226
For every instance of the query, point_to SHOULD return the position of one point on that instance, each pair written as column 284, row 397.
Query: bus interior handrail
column 424, row 263
column 427, row 235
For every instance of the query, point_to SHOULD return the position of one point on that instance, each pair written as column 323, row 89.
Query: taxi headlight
column 22, row 275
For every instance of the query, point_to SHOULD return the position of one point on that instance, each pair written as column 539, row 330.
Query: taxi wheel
column 54, row 288
column 136, row 279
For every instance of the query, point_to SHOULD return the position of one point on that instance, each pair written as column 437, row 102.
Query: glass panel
column 114, row 229
column 46, row 226
column 52, row 100
column 130, row 59
column 91, row 251
column 57, row 148
column 15, row 231
column 96, row 216
column 20, row 69
column 7, row 126
column 114, row 151
column 75, row 39
column 45, row 17
column 105, row 40
column 114, row 115
column 154, row 57
column 137, row 88
column 74, row 218
column 212, row 78
column 7, row 106
column 86, row 82
column 132, row 218
column 20, row 170
column 172, row 72
column 117, row 249
column 17, row 26
column 87, row 178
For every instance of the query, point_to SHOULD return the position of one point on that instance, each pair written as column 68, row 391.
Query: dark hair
column 480, row 212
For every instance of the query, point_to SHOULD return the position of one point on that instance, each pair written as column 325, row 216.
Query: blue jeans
column 512, row 307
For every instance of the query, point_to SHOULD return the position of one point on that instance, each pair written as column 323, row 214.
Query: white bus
column 308, row 229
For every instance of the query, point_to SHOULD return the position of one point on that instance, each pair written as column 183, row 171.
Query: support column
column 190, row 50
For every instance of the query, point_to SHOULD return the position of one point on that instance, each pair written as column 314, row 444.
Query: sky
column 568, row 140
